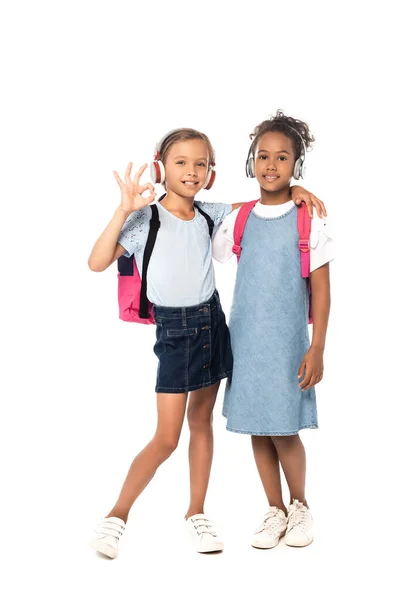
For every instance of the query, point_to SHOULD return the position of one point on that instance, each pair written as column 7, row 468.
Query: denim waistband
column 187, row 311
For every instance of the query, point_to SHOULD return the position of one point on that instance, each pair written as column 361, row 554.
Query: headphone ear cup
column 157, row 172
column 250, row 171
column 297, row 171
column 210, row 180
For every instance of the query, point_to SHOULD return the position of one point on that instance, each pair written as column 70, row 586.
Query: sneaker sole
column 264, row 547
column 104, row 548
column 299, row 545
column 210, row 549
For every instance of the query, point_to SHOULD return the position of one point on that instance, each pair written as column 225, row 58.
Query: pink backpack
column 133, row 304
column 303, row 227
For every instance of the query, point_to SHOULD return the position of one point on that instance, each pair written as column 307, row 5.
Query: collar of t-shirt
column 273, row 210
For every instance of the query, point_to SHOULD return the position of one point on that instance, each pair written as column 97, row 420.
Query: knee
column 165, row 445
column 199, row 423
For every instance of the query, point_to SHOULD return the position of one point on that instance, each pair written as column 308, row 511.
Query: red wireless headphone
column 157, row 170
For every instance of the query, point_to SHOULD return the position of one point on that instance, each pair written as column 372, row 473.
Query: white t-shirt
column 321, row 241
column 181, row 271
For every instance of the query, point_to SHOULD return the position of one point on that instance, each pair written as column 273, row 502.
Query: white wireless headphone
column 157, row 169
column 299, row 166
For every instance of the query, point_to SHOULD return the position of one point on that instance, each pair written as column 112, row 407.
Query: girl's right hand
column 131, row 191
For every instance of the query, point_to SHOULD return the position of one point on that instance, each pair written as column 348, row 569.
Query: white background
column 87, row 87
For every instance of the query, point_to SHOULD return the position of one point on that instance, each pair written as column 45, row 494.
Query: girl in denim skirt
column 192, row 338
column 271, row 394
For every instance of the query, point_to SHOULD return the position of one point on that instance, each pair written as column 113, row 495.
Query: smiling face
column 186, row 167
column 274, row 159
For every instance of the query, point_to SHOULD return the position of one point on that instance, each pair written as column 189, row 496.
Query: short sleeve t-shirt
column 180, row 271
column 322, row 248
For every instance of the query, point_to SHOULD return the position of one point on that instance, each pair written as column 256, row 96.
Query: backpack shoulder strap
column 304, row 229
column 151, row 240
column 207, row 217
column 240, row 225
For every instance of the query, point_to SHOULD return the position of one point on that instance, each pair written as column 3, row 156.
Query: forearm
column 321, row 302
column 104, row 249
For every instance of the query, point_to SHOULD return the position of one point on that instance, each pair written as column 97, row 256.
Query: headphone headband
column 160, row 143
column 302, row 140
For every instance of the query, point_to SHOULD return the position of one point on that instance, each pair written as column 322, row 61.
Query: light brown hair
column 181, row 135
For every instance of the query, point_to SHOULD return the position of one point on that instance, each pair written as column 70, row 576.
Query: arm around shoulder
column 223, row 239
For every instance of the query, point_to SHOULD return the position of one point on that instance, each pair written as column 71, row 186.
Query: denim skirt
column 193, row 346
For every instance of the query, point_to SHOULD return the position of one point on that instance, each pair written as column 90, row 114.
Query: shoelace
column 112, row 529
column 270, row 523
column 297, row 517
column 204, row 526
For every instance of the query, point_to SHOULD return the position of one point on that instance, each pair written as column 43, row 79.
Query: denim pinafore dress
column 269, row 333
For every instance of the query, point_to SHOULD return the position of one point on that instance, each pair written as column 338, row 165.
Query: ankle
column 283, row 508
column 300, row 499
column 119, row 514
column 279, row 505
column 199, row 510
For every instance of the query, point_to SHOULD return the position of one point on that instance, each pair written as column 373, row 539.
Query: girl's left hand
column 299, row 195
column 311, row 369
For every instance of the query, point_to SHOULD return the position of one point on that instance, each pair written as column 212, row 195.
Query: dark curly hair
column 288, row 126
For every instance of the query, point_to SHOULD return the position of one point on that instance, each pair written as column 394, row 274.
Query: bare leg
column 267, row 462
column 292, row 457
column 171, row 412
column 201, row 404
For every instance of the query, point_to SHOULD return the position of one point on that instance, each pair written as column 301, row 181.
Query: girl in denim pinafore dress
column 271, row 394
column 269, row 332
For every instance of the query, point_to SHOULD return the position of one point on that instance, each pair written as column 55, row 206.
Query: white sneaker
column 107, row 536
column 300, row 526
column 271, row 529
column 204, row 534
